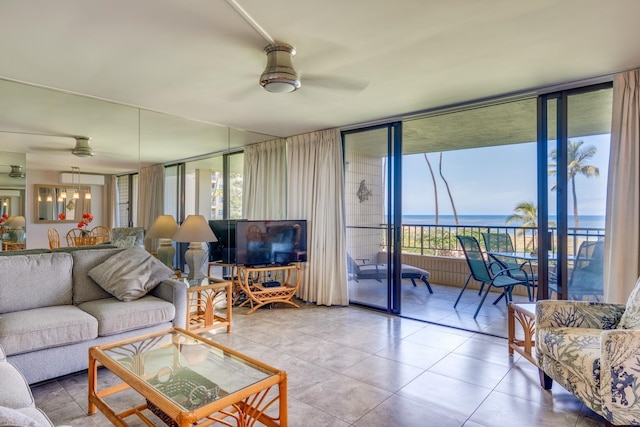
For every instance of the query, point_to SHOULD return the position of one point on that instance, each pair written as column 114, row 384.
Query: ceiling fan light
column 82, row 148
column 279, row 86
column 279, row 76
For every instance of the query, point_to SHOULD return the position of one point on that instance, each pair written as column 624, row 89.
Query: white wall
column 37, row 233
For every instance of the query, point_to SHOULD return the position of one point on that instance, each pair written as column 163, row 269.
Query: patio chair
column 378, row 271
column 586, row 279
column 493, row 274
column 501, row 242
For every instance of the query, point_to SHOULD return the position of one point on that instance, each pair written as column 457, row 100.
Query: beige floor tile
column 398, row 411
column 383, row 373
column 500, row 410
column 468, row 369
column 344, row 397
column 459, row 397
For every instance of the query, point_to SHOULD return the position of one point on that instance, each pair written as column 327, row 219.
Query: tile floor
column 350, row 366
column 417, row 303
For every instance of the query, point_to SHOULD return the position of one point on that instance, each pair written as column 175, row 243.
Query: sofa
column 593, row 350
column 17, row 407
column 54, row 305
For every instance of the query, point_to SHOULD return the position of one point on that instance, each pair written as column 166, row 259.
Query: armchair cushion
column 577, row 350
column 130, row 274
column 631, row 317
column 15, row 418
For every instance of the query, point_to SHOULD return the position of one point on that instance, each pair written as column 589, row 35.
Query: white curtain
column 315, row 189
column 264, row 194
column 622, row 228
column 150, row 198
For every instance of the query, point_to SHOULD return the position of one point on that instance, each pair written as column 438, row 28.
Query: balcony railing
column 440, row 240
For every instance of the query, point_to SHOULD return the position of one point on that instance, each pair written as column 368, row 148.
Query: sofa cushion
column 116, row 316
column 130, row 274
column 39, row 328
column 84, row 287
column 631, row 317
column 15, row 418
column 33, row 281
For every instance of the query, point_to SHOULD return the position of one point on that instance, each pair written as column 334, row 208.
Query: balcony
column 434, row 248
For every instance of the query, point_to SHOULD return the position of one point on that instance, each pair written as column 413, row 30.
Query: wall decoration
column 363, row 192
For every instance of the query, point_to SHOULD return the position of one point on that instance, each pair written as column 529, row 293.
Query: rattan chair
column 79, row 237
column 54, row 238
column 101, row 234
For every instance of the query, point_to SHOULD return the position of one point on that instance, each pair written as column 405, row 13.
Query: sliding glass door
column 575, row 130
column 373, row 215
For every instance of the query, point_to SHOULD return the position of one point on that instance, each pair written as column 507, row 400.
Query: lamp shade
column 16, row 222
column 194, row 229
column 164, row 227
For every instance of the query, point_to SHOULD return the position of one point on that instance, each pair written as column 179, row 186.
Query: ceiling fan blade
column 334, row 82
column 42, row 148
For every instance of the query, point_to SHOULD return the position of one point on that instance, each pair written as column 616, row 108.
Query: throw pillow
column 11, row 417
column 130, row 274
column 631, row 317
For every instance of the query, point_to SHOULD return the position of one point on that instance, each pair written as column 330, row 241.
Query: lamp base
column 195, row 257
column 166, row 252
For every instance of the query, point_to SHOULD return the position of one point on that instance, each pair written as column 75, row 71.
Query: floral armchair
column 126, row 237
column 593, row 350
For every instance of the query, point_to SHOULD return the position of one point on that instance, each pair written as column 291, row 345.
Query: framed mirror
column 61, row 203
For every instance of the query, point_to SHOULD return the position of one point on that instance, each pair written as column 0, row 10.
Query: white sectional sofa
column 52, row 311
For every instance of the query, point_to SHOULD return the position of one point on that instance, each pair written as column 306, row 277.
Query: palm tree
column 435, row 187
column 576, row 156
column 453, row 206
column 525, row 214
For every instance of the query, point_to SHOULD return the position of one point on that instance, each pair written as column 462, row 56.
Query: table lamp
column 195, row 230
column 164, row 227
column 16, row 228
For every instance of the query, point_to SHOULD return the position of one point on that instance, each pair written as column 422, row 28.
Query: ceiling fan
column 16, row 171
column 279, row 75
column 82, row 146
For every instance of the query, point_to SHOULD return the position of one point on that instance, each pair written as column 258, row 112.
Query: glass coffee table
column 187, row 379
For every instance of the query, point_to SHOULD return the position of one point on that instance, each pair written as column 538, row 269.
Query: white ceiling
column 361, row 61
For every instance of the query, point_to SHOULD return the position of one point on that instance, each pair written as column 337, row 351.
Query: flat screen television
column 224, row 250
column 264, row 243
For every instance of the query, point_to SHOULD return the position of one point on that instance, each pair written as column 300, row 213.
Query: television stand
column 251, row 280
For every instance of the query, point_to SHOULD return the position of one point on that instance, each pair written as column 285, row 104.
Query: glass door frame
column 393, row 206
column 562, row 185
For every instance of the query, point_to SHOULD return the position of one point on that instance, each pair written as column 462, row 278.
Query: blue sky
column 493, row 180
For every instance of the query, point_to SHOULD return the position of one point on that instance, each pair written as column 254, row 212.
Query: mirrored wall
column 39, row 125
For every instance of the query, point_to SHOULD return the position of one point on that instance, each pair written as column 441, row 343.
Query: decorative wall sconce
column 363, row 192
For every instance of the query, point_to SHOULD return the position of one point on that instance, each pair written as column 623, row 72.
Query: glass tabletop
column 186, row 369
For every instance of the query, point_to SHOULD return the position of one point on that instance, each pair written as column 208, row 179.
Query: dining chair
column 101, row 234
column 493, row 275
column 74, row 236
column 54, row 237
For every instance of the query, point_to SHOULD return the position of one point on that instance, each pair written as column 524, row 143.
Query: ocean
column 586, row 221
